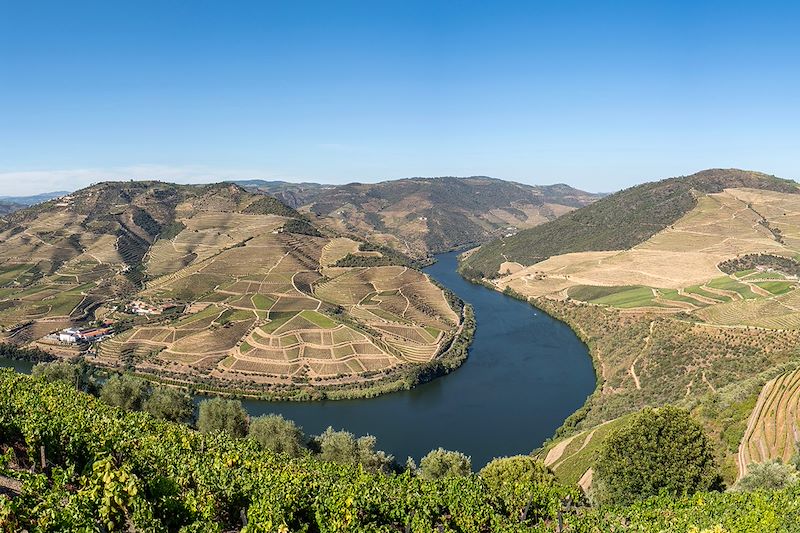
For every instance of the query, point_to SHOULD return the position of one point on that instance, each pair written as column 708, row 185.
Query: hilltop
column 421, row 216
column 686, row 292
column 619, row 221
column 218, row 288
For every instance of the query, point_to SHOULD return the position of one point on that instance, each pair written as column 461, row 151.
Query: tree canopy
column 276, row 434
column 441, row 463
column 219, row 414
column 658, row 450
column 125, row 391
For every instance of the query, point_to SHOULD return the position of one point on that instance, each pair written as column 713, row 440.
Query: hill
column 216, row 287
column 619, row 221
column 686, row 292
column 421, row 216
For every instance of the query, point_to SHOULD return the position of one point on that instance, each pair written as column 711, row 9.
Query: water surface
column 526, row 372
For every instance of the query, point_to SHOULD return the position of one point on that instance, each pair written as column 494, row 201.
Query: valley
column 699, row 310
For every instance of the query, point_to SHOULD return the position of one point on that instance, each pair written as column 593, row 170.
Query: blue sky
column 600, row 95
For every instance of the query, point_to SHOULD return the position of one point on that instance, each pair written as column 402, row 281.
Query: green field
column 627, row 296
column 776, row 287
column 696, row 289
column 673, row 295
column 319, row 319
column 262, row 302
column 726, row 283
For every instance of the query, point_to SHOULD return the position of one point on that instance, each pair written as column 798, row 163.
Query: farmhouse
column 140, row 308
column 69, row 335
column 73, row 335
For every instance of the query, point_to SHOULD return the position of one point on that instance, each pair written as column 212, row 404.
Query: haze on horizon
column 597, row 96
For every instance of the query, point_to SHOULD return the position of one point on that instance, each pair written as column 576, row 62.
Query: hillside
column 421, row 216
column 216, row 287
column 699, row 308
column 619, row 221
column 110, row 470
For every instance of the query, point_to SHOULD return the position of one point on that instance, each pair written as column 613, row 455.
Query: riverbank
column 525, row 374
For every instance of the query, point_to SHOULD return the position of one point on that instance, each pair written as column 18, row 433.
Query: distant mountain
column 9, row 204
column 619, row 221
column 291, row 194
column 421, row 216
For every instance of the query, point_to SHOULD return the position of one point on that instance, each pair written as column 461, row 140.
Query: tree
column 444, row 463
column 657, row 450
column 170, row 404
column 527, row 488
column 342, row 447
column 276, row 434
column 219, row 414
column 79, row 375
column 772, row 475
column 125, row 391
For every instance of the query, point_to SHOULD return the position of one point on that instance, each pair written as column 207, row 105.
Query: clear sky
column 600, row 95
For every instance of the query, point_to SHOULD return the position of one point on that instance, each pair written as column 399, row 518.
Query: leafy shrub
column 171, row 404
column 344, row 448
column 525, row 486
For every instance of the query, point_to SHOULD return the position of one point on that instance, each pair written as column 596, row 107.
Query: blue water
column 526, row 372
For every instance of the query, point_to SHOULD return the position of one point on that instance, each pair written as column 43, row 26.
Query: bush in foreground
column 658, row 451
column 114, row 470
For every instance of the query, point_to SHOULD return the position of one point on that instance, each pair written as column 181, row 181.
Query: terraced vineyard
column 697, row 305
column 266, row 310
column 773, row 430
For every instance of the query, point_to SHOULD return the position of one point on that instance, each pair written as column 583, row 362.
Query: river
column 526, row 372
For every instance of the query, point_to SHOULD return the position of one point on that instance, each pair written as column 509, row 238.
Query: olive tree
column 168, row 403
column 772, row 475
column 125, row 391
column 441, row 463
column 79, row 375
column 219, row 414
column 342, row 447
column 276, row 434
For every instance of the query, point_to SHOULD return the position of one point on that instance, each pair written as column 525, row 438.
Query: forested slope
column 616, row 222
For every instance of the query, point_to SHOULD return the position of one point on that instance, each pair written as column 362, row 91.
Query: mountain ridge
column 615, row 222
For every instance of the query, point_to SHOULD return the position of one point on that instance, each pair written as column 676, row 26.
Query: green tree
column 80, row 375
column 772, row 475
column 219, row 414
column 342, row 447
column 657, row 450
column 441, row 463
column 525, row 486
column 125, row 391
column 170, row 404
column 275, row 433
